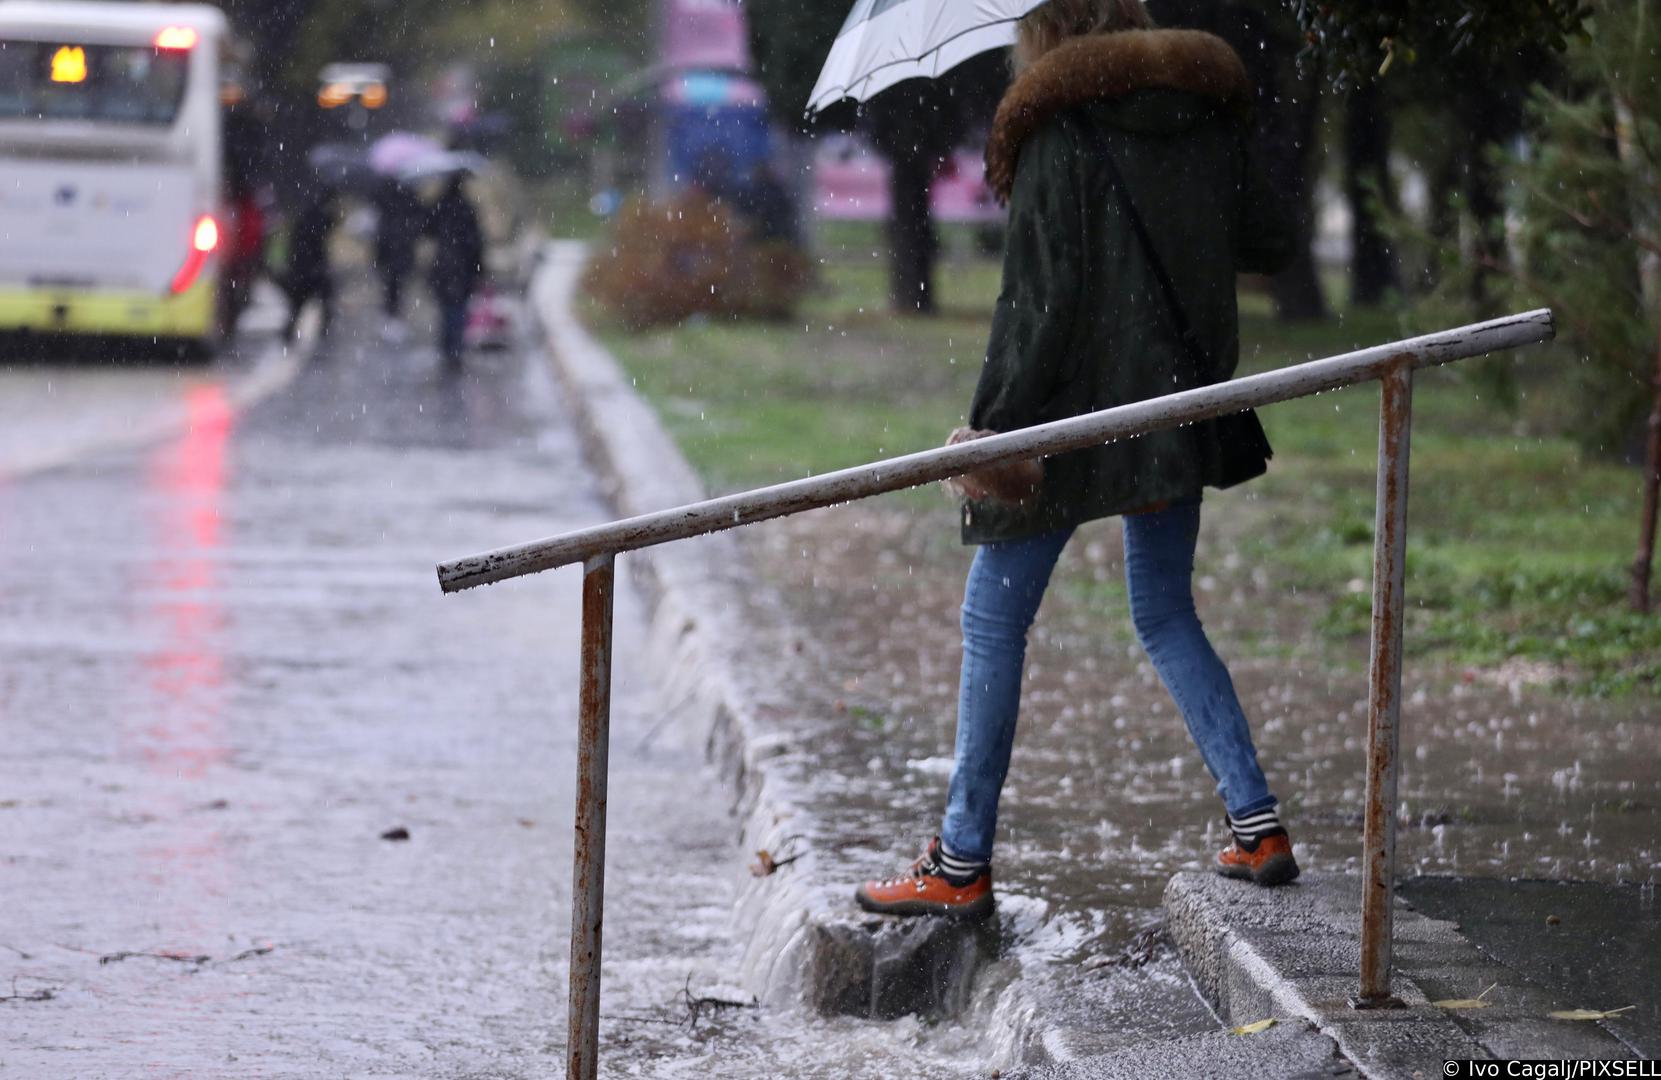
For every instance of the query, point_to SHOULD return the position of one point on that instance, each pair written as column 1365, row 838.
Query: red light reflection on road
column 177, row 728
column 187, row 669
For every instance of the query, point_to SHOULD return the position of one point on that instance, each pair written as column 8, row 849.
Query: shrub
column 665, row 262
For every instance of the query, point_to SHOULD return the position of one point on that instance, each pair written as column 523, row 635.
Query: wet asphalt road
column 229, row 670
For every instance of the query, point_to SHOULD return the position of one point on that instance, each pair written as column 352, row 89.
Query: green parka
column 1082, row 323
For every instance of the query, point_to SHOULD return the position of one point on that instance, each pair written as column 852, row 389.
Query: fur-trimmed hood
column 1101, row 66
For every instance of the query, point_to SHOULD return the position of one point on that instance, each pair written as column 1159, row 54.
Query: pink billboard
column 706, row 34
column 851, row 184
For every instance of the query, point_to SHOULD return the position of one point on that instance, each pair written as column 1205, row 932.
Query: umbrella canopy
column 887, row 41
column 396, row 151
column 443, row 163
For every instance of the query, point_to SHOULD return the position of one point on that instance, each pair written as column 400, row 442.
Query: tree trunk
column 1288, row 108
column 1649, row 286
column 1289, row 135
column 797, row 166
column 1368, row 189
column 1488, row 117
column 915, row 124
column 911, row 236
column 1652, row 491
column 1487, row 222
column 1442, row 223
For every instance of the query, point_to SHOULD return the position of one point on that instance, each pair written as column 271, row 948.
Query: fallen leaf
column 181, row 958
column 46, row 994
column 1254, row 1027
column 764, row 864
column 1589, row 1014
column 526, row 823
column 1553, row 920
column 399, row 833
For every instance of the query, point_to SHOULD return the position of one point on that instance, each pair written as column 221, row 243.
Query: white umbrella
column 887, row 41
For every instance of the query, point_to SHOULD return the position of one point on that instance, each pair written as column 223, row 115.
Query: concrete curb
column 701, row 646
column 1292, row 953
column 805, row 941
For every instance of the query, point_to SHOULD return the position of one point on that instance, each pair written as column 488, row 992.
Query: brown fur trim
column 1098, row 66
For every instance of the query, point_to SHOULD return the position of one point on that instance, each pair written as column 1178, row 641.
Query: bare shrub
column 665, row 262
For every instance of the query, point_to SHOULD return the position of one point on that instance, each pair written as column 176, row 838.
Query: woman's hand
column 1014, row 482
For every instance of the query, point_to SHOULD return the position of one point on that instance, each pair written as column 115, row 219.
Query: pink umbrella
column 398, row 151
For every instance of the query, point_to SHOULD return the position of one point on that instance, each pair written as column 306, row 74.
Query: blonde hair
column 1048, row 25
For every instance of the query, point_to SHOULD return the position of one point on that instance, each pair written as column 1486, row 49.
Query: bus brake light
column 176, row 37
column 203, row 239
column 206, row 236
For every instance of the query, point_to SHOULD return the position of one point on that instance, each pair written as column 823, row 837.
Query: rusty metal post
column 1378, row 866
column 588, row 875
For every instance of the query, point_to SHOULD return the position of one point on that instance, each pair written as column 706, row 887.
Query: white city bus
column 110, row 167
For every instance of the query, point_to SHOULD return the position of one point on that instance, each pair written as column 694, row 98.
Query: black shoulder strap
column 1190, row 341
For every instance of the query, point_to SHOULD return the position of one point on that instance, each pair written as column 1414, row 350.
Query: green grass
column 559, row 206
column 756, row 403
column 1519, row 542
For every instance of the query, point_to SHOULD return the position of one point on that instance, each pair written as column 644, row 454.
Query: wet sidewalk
column 1483, row 980
column 1588, row 945
column 850, row 652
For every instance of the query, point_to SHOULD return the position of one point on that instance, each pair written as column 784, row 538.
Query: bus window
column 123, row 84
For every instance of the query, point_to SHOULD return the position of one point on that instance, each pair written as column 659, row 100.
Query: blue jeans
column 1001, row 598
column 452, row 329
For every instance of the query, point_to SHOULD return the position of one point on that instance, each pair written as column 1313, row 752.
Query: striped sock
column 1248, row 829
column 955, row 868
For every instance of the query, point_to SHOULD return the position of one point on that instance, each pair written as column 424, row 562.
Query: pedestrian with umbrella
column 307, row 276
column 1122, row 152
column 458, row 262
column 398, row 222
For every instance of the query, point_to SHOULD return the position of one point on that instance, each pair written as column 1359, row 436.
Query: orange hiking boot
column 1268, row 861
column 926, row 890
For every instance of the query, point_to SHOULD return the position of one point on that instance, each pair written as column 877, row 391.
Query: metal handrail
column 911, row 470
column 596, row 548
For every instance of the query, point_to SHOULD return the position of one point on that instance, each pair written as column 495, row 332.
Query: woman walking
column 397, row 228
column 458, row 262
column 1133, row 202
column 307, row 276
